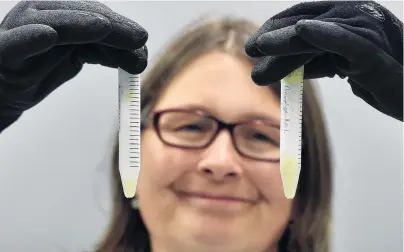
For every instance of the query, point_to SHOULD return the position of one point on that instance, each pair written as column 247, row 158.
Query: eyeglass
column 195, row 129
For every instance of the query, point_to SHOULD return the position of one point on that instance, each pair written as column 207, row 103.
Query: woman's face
column 253, row 211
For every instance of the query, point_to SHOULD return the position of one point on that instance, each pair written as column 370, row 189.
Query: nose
column 219, row 162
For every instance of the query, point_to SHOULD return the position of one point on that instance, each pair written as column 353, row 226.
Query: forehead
column 221, row 84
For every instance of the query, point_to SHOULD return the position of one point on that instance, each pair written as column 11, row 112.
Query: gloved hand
column 356, row 39
column 45, row 43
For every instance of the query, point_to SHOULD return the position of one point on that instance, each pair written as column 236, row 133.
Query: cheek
column 161, row 165
column 276, row 209
column 267, row 179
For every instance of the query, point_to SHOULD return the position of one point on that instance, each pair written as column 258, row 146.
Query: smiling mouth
column 214, row 198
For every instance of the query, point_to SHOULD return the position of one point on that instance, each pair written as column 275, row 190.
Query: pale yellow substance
column 295, row 76
column 129, row 187
column 130, row 97
column 290, row 176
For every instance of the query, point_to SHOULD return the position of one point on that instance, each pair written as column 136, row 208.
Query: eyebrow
column 246, row 116
column 252, row 116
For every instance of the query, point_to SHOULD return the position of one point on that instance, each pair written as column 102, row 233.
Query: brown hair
column 312, row 205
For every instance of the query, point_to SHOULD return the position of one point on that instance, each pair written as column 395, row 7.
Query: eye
column 260, row 137
column 190, row 127
column 194, row 127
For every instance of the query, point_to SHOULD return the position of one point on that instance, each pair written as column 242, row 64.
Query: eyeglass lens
column 191, row 130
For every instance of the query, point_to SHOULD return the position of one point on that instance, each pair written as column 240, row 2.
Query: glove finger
column 92, row 54
column 333, row 38
column 288, row 17
column 125, row 33
column 306, row 8
column 270, row 25
column 360, row 28
column 134, row 62
column 25, row 41
column 110, row 57
column 73, row 27
column 272, row 69
column 283, row 42
column 321, row 66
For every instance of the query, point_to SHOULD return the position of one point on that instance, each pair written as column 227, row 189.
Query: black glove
column 356, row 39
column 45, row 43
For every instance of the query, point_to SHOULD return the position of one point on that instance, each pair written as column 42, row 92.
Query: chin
column 206, row 240
column 212, row 231
column 211, row 241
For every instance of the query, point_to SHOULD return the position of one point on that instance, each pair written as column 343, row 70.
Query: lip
column 215, row 197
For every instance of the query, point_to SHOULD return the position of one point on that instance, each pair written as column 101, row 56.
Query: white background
column 54, row 162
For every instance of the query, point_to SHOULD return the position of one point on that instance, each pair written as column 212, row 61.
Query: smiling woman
column 210, row 178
